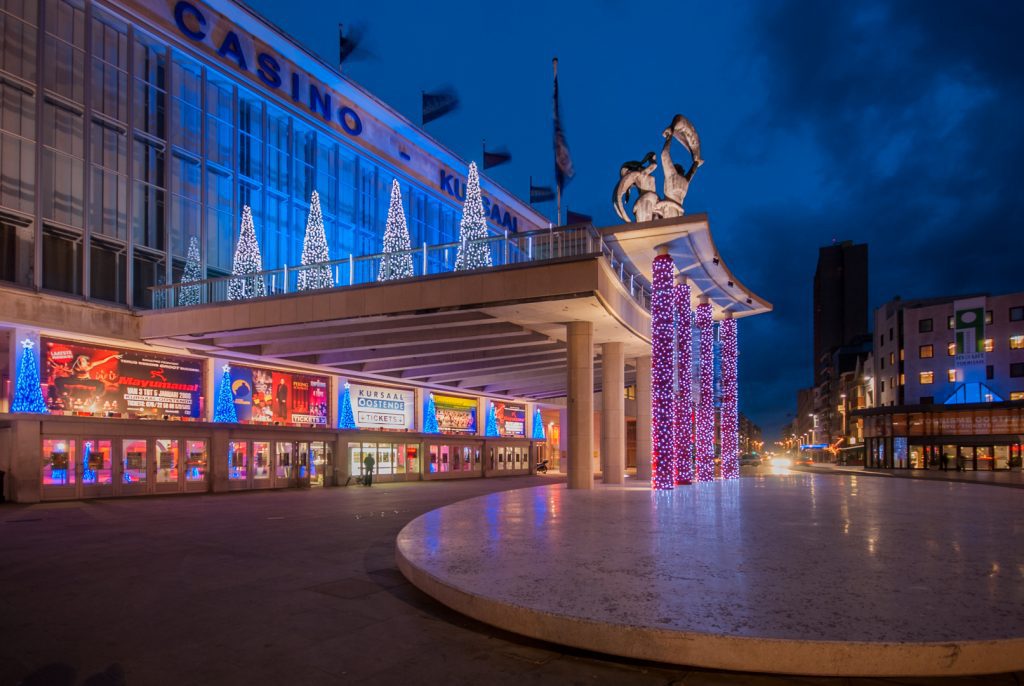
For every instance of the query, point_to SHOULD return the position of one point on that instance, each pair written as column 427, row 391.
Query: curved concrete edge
column 732, row 653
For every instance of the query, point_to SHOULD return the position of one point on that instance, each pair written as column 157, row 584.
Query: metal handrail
column 506, row 249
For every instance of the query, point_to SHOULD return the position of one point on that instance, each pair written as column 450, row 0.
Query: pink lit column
column 705, row 425
column 682, row 410
column 730, row 415
column 662, row 462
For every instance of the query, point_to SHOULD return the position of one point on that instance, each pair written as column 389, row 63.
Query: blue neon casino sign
column 276, row 73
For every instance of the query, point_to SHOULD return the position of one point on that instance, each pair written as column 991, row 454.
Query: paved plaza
column 289, row 587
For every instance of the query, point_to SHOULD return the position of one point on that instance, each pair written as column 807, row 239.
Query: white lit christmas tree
column 247, row 263
column 314, row 250
column 191, row 295
column 397, row 260
column 28, row 395
column 474, row 252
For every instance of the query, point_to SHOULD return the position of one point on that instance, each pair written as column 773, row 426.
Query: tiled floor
column 284, row 587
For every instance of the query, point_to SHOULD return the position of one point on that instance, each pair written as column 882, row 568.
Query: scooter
column 542, row 467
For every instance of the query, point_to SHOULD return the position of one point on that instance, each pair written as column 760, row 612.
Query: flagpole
column 558, row 185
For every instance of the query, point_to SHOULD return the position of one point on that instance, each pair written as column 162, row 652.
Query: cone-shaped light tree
column 247, row 263
column 346, row 419
column 491, row 429
column 474, row 252
column 28, row 395
column 537, row 431
column 314, row 250
column 430, row 416
column 191, row 295
column 224, row 411
column 397, row 260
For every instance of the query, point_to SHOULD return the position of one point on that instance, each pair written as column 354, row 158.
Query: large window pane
column 58, row 462
column 237, row 460
column 133, row 461
column 96, row 462
column 62, row 262
column 18, row 38
column 196, row 460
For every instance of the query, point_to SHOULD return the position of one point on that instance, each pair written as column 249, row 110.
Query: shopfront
column 977, row 437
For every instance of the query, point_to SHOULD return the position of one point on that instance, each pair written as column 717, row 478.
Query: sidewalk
column 1008, row 479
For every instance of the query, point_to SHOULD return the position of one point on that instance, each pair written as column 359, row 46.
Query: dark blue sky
column 898, row 124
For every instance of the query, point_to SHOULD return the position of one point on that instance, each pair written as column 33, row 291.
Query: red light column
column 705, row 424
column 682, row 410
column 662, row 476
column 730, row 408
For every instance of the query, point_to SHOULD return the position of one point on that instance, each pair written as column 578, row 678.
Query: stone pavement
column 289, row 587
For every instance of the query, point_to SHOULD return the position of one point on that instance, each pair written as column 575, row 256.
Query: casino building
column 130, row 130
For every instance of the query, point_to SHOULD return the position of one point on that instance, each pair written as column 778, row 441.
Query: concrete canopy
column 688, row 240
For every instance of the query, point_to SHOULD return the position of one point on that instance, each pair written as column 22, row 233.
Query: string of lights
column 729, row 422
column 28, row 394
column 705, row 424
column 662, row 370
column 682, row 410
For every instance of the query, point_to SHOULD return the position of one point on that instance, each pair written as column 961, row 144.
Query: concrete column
column 643, row 418
column 217, row 467
column 580, row 467
column 613, row 413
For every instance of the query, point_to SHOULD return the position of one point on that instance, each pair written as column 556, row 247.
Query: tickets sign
column 378, row 407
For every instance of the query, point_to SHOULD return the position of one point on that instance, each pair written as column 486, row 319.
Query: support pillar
column 662, row 454
column 682, row 410
column 705, row 425
column 730, row 408
column 613, row 413
column 643, row 418
column 580, row 467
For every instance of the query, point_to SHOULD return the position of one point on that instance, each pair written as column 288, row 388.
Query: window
column 951, row 349
column 989, row 345
column 988, row 316
column 951, row 376
column 883, row 363
column 1016, row 395
column 236, row 460
column 926, row 377
column 167, row 460
column 949, row 322
column 990, row 372
column 881, row 340
column 1017, row 314
column 58, row 462
column 133, row 461
column 924, row 326
column 903, row 379
column 261, row 460
column 881, row 387
column 925, row 352
column 901, row 354
column 1017, row 369
column 891, row 338
column 1016, row 342
column 96, row 463
column 892, row 358
column 195, row 460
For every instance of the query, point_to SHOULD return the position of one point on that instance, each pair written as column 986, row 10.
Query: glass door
column 284, row 460
column 97, row 468
column 196, row 461
column 169, row 475
column 262, row 464
column 135, row 466
column 984, row 456
column 317, row 463
column 412, row 462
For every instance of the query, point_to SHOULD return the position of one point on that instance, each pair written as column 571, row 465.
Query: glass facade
column 116, row 149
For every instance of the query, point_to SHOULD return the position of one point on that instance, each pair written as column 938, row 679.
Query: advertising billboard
column 269, row 396
column 455, row 415
column 86, row 379
column 511, row 418
column 969, row 335
column 378, row 407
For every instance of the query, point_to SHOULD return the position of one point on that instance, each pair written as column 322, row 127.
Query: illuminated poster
column 511, row 418
column 266, row 396
column 455, row 415
column 89, row 380
column 377, row 407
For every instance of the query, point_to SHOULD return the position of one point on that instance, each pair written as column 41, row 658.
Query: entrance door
column 984, row 457
column 284, row 461
column 169, row 474
column 317, row 463
column 412, row 462
column 135, row 467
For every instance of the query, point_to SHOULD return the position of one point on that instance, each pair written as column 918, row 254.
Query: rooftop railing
column 505, row 250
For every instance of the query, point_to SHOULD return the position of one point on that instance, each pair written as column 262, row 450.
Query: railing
column 508, row 249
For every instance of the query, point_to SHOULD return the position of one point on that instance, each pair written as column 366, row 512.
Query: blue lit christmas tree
column 491, row 429
column 430, row 416
column 537, row 433
column 224, row 410
column 346, row 420
column 28, row 396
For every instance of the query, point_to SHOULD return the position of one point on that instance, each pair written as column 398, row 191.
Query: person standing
column 944, row 461
column 368, row 465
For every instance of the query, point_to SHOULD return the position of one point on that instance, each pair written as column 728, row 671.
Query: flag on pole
column 492, row 158
column 438, row 104
column 563, row 161
column 541, row 193
column 577, row 217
